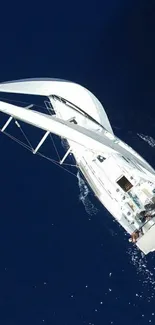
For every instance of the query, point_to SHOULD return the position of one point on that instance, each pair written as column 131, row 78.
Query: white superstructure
column 121, row 179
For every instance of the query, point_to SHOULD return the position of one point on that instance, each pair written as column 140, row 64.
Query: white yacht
column 120, row 178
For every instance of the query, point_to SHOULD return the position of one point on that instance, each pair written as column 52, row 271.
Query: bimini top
column 68, row 90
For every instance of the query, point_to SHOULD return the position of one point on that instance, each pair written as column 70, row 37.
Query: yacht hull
column 119, row 177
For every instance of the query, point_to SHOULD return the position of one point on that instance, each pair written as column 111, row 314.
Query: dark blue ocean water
column 63, row 261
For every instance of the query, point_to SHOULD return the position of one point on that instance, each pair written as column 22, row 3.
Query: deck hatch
column 124, row 183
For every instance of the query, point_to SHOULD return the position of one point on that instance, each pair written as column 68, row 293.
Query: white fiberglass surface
column 87, row 140
column 73, row 92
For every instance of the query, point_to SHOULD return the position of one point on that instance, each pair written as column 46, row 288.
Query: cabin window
column 124, row 183
column 100, row 158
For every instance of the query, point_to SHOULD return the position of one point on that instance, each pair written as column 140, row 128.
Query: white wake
column 140, row 262
column 147, row 139
column 83, row 196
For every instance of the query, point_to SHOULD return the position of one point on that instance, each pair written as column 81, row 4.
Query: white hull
column 120, row 178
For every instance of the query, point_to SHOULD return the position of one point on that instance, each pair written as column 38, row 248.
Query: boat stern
column 146, row 243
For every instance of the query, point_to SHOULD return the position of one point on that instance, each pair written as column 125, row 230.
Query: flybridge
column 120, row 178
